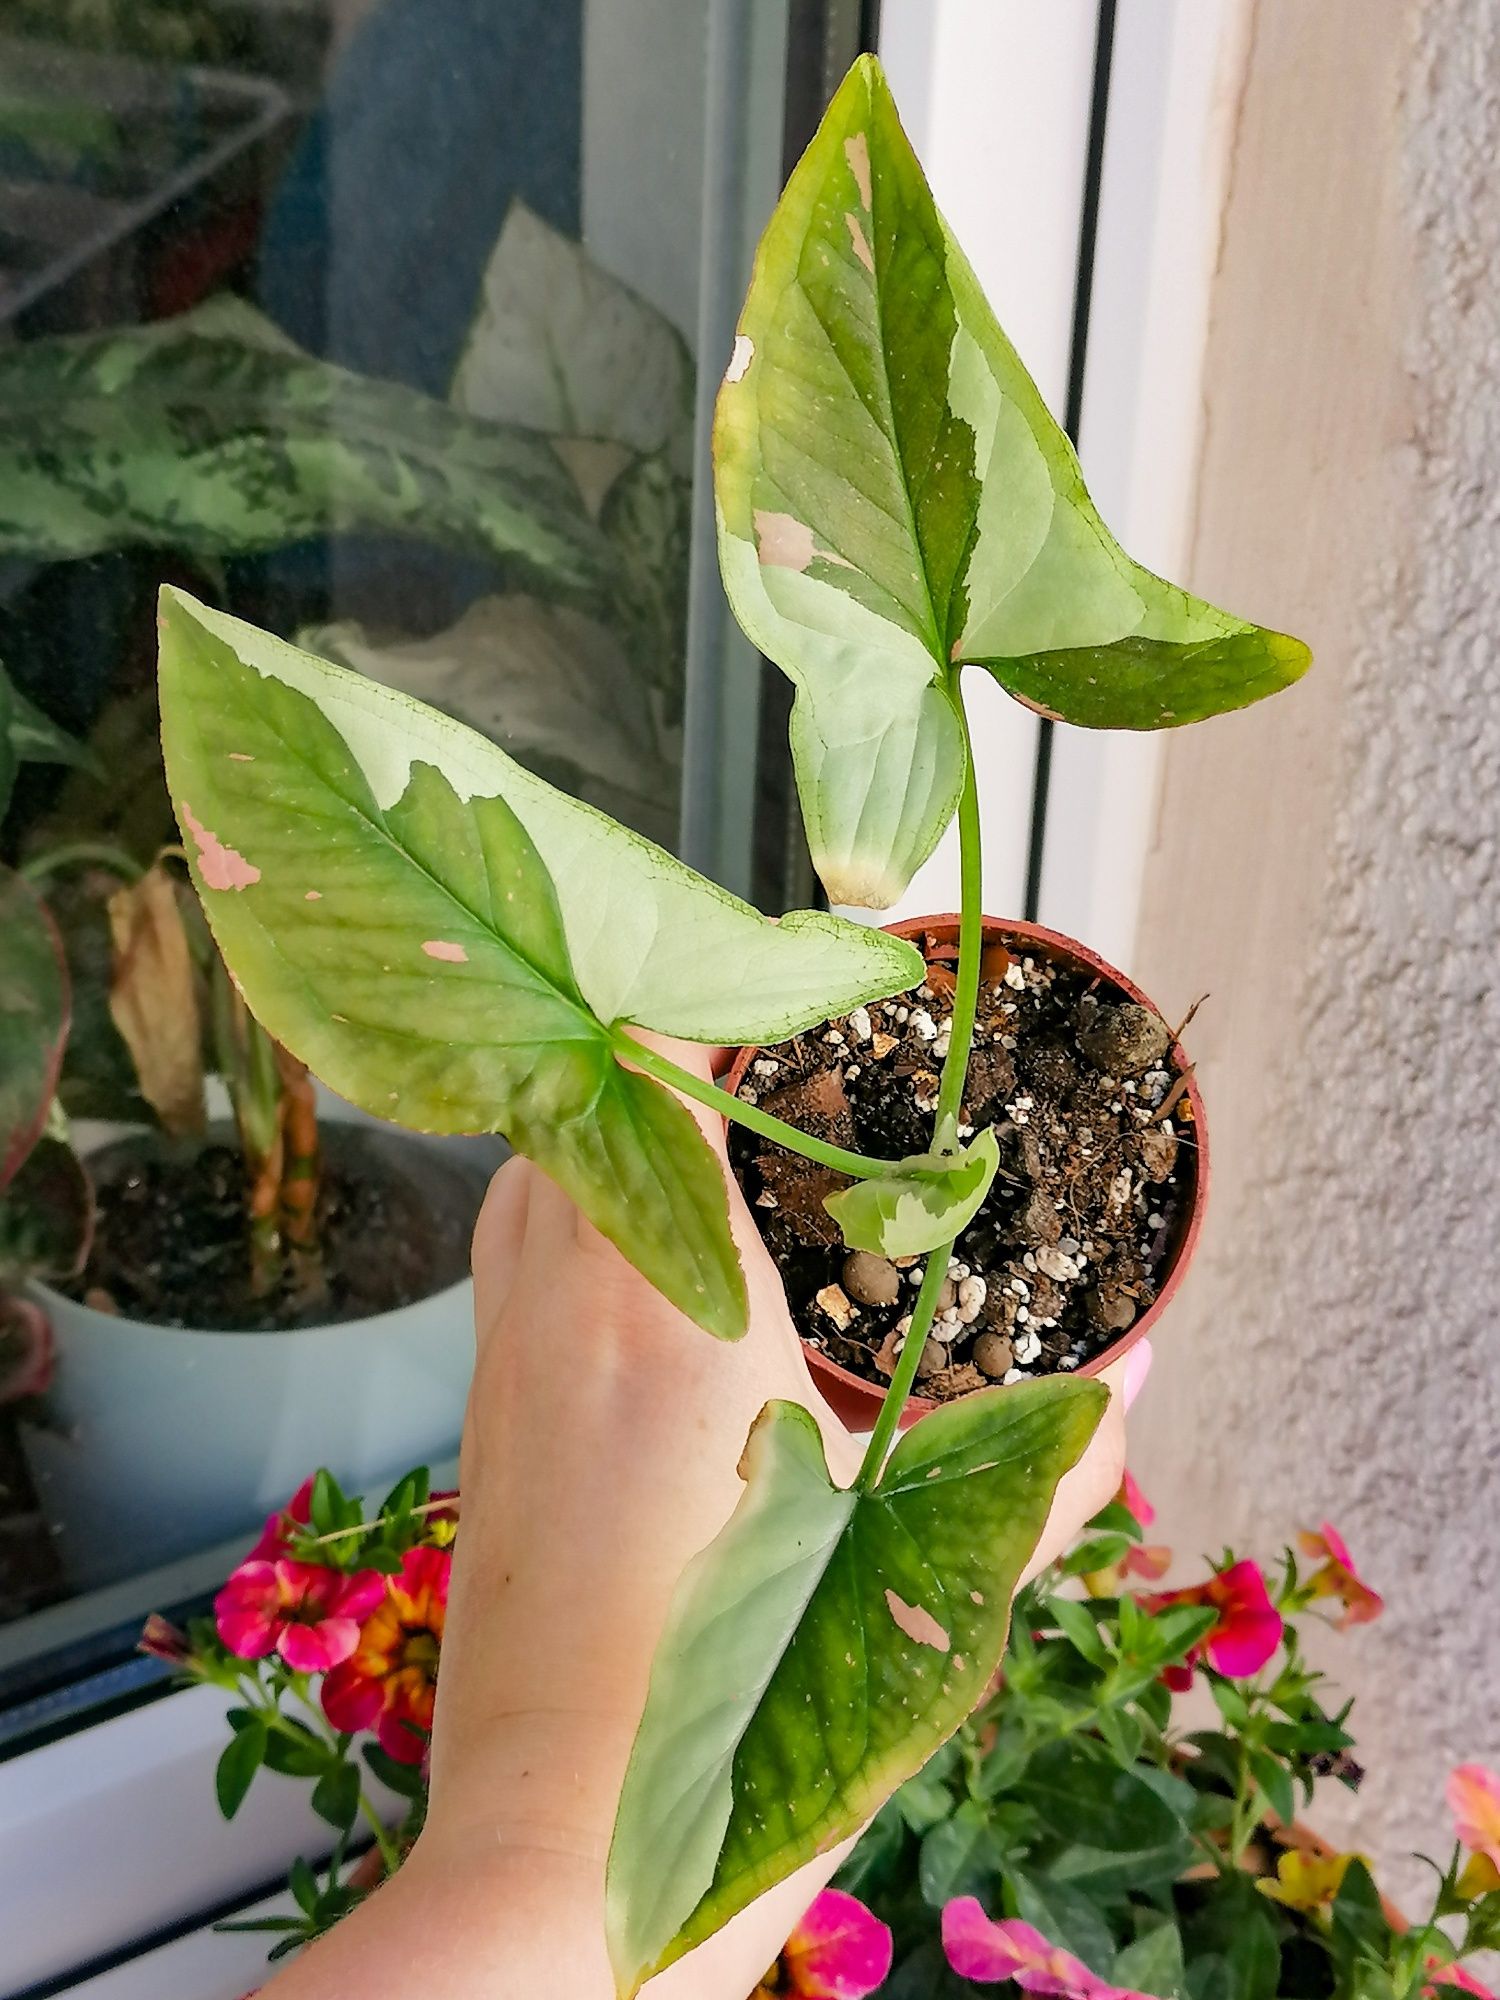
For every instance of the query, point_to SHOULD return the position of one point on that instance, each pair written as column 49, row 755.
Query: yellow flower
column 1307, row 1882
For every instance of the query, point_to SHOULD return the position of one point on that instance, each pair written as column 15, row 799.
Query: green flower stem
column 970, row 949
column 390, row 1853
column 883, row 1435
column 664, row 1070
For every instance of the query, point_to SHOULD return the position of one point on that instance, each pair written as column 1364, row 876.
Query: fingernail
column 1137, row 1368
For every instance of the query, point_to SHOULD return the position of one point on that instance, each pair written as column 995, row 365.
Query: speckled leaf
column 448, row 941
column 820, row 1649
column 213, row 433
column 922, row 1202
column 896, row 501
column 33, row 1019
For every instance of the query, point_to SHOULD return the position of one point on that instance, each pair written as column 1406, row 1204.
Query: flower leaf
column 448, row 941
column 242, row 1758
column 896, row 500
column 820, row 1649
column 922, row 1202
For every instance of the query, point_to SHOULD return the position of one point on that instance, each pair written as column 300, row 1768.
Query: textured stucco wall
column 1329, row 868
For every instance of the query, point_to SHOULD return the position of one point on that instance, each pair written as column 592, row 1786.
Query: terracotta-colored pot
column 857, row 1401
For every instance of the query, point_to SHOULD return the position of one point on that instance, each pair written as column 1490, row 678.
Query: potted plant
column 445, row 938
column 147, row 1271
column 560, row 457
column 1080, row 1835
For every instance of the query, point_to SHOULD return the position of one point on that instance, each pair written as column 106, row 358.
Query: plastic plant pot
column 856, row 1401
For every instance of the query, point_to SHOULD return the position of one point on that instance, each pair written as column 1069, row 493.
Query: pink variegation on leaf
column 839, row 1951
column 988, row 1950
column 1248, row 1630
column 1337, row 1577
column 311, row 1616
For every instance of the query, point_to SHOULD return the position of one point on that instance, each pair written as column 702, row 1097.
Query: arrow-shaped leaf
column 450, row 942
column 820, row 1649
column 920, row 1203
column 895, row 500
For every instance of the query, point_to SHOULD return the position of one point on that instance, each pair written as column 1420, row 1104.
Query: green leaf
column 877, row 1866
column 1119, row 1833
column 448, row 941
column 1275, row 1781
column 923, row 1801
column 895, row 500
column 563, row 346
column 336, row 1796
column 820, row 1649
column 215, row 434
column 34, row 738
column 1080, row 1626
column 243, row 1755
column 33, row 1019
column 1064, row 1914
column 299, row 1755
column 403, row 1779
column 304, row 1886
column 1153, row 1963
column 960, row 1856
column 922, row 1202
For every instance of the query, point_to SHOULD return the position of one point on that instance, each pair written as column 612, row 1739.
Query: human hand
column 599, row 1456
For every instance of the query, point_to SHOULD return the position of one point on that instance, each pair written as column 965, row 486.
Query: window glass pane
column 377, row 322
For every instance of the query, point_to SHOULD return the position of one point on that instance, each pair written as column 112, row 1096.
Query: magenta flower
column 1337, row 1577
column 276, row 1536
column 988, row 1950
column 1474, row 1800
column 1249, row 1625
column 309, row 1615
column 165, row 1641
column 1134, row 1501
column 839, row 1951
column 1450, row 1974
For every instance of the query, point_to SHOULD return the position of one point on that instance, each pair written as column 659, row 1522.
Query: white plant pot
column 164, row 1440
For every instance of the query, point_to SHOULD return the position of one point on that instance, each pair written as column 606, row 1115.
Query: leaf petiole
column 664, row 1070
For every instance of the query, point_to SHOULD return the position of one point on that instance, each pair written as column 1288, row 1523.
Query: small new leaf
column 819, row 1651
column 923, row 1201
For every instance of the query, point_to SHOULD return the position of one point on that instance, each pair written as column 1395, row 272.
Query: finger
column 495, row 1253
column 1095, row 1479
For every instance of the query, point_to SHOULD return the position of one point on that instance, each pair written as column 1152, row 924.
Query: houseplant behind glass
column 442, row 936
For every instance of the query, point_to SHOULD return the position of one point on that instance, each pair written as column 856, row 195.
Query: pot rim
column 330, row 1107
column 846, row 1389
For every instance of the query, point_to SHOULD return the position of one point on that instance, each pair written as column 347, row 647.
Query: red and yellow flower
column 839, row 1951
column 388, row 1682
column 1337, row 1577
column 1307, row 1882
column 1248, row 1626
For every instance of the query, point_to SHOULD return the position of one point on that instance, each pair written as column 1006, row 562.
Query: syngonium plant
column 453, row 943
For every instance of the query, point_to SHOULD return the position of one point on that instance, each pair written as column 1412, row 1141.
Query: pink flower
column 839, row 1951
column 165, row 1641
column 309, row 1615
column 1449, row 1974
column 1134, row 1501
column 1337, row 1577
column 1474, row 1800
column 1248, row 1629
column 276, row 1536
column 984, row 1949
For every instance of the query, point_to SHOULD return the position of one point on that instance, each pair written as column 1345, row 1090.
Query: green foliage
column 896, row 501
column 920, row 1203
column 33, row 1019
column 214, row 434
column 452, row 943
column 820, row 1648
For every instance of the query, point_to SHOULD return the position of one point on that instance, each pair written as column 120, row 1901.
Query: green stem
column 390, row 1853
column 970, row 949
column 906, row 1368
column 664, row 1070
column 81, row 853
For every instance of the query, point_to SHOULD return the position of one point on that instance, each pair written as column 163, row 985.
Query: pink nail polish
column 1137, row 1368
